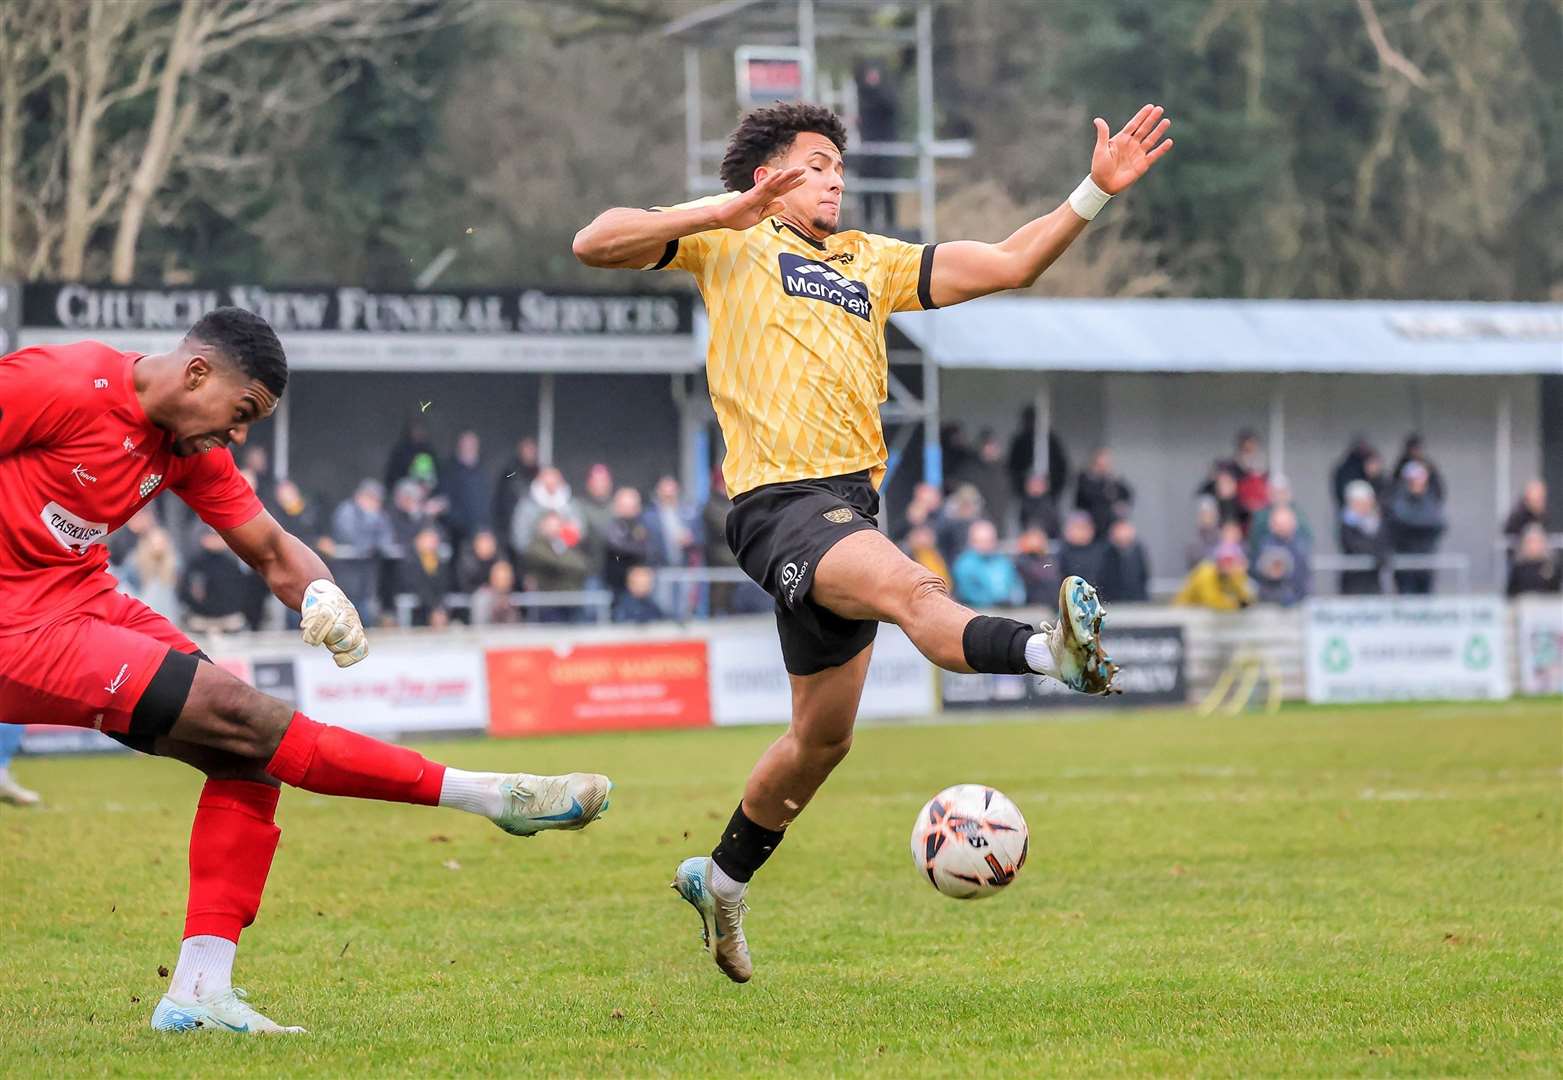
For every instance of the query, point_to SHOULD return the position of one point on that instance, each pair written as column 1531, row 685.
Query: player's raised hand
column 759, row 202
column 1119, row 161
column 328, row 617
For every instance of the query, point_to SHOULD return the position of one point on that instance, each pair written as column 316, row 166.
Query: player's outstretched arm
column 966, row 269
column 299, row 578
column 625, row 238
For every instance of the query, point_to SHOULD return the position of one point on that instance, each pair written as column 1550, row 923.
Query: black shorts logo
column 815, row 281
column 839, row 516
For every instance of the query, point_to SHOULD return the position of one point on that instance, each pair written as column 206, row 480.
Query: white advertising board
column 398, row 689
column 1540, row 635
column 749, row 683
column 1406, row 648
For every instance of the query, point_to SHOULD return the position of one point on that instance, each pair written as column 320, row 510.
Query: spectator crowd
column 443, row 538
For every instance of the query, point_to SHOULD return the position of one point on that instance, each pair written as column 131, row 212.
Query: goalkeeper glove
column 329, row 619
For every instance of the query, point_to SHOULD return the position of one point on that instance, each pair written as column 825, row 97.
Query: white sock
column 1039, row 658
column 474, row 792
column 205, row 968
column 724, row 887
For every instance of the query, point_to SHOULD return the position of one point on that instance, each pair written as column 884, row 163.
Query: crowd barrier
column 558, row 679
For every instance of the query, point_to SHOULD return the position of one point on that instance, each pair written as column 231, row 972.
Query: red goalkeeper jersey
column 79, row 458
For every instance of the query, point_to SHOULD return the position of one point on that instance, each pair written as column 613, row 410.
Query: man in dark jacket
column 1023, row 455
column 1351, row 467
column 635, row 604
column 1038, row 506
column 986, row 472
column 465, row 485
column 1038, row 568
column 1530, row 510
column 1535, row 568
column 1081, row 555
column 1126, row 572
column 1102, row 493
column 1416, row 451
column 629, row 540
column 1363, row 532
column 214, row 587
column 425, row 572
column 475, row 561
column 1416, row 518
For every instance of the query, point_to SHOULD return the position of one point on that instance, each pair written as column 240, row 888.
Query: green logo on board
column 1478, row 653
column 1337, row 656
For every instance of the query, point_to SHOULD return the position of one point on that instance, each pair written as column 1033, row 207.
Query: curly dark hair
column 768, row 132
column 248, row 341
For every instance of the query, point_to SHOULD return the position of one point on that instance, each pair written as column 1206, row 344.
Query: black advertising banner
column 278, row 678
column 1153, row 673
column 350, row 309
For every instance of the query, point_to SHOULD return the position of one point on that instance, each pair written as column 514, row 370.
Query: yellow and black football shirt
column 797, row 365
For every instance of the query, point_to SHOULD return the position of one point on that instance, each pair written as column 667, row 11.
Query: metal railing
column 1324, row 563
column 1454, row 562
column 595, row 604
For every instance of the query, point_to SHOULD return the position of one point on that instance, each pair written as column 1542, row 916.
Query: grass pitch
column 1328, row 892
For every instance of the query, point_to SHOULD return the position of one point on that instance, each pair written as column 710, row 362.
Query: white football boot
column 1076, row 640
column 225, row 1012
column 534, row 804
column 14, row 793
column 721, row 921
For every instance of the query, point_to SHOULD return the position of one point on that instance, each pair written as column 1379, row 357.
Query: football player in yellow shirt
column 797, row 371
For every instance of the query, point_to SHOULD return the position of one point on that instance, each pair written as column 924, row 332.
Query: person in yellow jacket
column 923, row 548
column 1219, row 582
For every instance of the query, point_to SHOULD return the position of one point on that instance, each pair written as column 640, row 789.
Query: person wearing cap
column 360, row 534
column 1220, row 582
column 1363, row 531
column 1281, row 561
column 1417, row 522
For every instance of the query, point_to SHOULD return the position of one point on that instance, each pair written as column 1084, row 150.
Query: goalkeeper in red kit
column 88, row 436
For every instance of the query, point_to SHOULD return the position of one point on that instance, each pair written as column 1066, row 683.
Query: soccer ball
column 969, row 841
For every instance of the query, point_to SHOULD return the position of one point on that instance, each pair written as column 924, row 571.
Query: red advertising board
column 658, row 684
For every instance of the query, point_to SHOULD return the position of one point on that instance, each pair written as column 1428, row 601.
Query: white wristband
column 1088, row 199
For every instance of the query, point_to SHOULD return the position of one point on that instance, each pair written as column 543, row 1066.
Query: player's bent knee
column 924, row 585
column 216, row 764
column 827, row 753
column 228, row 714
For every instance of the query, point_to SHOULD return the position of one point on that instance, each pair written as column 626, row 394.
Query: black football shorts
column 779, row 533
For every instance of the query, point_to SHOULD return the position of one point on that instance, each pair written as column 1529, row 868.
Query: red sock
column 231, row 845
column 334, row 761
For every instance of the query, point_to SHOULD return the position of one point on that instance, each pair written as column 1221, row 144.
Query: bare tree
column 206, row 108
column 144, row 92
column 28, row 50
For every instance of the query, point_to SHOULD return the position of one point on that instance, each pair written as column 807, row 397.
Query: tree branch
column 1388, row 55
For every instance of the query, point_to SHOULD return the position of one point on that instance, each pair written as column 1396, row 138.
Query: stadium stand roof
column 1346, row 337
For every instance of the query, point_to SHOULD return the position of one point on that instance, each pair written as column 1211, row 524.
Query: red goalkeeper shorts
column 93, row 666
